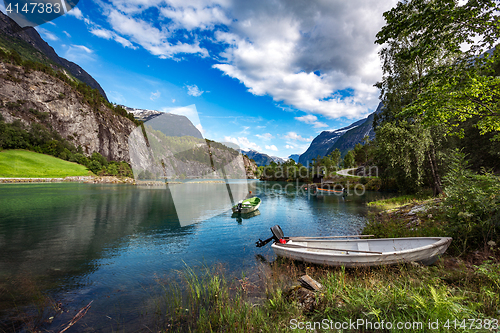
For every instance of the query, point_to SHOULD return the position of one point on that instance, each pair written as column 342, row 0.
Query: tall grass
column 207, row 301
column 401, row 200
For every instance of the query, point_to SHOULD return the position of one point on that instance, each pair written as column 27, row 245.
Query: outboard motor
column 278, row 236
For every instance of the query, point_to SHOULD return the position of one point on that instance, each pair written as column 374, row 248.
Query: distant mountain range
column 142, row 114
column 28, row 43
column 262, row 159
column 344, row 139
column 294, row 157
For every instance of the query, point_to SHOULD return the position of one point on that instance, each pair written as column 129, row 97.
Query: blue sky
column 268, row 74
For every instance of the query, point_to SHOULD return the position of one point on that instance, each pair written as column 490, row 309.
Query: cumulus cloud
column 193, row 90
column 296, row 137
column 289, row 147
column 242, row 142
column 265, row 136
column 272, row 147
column 312, row 120
column 190, row 18
column 76, row 12
column 305, row 55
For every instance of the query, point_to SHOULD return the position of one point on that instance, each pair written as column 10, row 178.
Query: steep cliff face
column 28, row 38
column 35, row 97
column 250, row 167
column 157, row 156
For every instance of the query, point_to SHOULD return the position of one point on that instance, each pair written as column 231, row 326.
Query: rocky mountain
column 355, row 135
column 294, row 157
column 344, row 139
column 142, row 114
column 29, row 44
column 250, row 167
column 158, row 155
column 34, row 97
column 262, row 159
column 322, row 143
column 277, row 159
column 173, row 125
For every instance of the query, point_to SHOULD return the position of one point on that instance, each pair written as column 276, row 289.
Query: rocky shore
column 77, row 179
column 97, row 180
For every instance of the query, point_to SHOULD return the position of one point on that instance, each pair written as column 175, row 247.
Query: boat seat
column 363, row 246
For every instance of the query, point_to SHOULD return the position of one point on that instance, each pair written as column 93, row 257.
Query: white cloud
column 103, row 33
column 193, row 90
column 275, row 49
column 83, row 48
column 79, row 53
column 242, row 142
column 190, row 17
column 272, row 147
column 316, row 56
column 297, row 137
column 289, row 147
column 47, row 34
column 67, row 34
column 155, row 95
column 173, row 100
column 312, row 120
column 150, row 37
column 265, row 136
column 76, row 12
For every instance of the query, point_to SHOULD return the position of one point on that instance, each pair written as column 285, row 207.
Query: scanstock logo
column 204, row 178
column 30, row 13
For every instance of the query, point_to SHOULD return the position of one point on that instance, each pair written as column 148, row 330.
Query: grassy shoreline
column 28, row 164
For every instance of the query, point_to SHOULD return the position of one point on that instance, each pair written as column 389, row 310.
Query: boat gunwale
column 440, row 242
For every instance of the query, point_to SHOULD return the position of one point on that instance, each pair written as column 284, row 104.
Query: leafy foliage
column 38, row 138
column 472, row 205
column 427, row 74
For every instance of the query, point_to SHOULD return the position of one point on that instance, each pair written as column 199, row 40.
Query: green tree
column 406, row 153
column 349, row 159
column 426, row 72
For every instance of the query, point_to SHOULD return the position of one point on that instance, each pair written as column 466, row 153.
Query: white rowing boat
column 359, row 252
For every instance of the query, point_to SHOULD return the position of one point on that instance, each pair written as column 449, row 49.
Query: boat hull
column 360, row 252
column 246, row 210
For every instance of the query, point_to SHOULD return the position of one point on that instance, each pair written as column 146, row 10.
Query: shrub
column 472, row 205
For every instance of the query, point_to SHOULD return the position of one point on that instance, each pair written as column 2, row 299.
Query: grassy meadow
column 28, row 164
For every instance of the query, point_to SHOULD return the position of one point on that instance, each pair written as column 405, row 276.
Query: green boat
column 247, row 206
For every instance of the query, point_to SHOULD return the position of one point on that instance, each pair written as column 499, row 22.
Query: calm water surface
column 109, row 243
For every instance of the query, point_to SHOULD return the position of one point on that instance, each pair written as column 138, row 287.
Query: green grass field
column 28, row 164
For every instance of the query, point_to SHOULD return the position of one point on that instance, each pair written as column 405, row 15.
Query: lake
column 109, row 243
